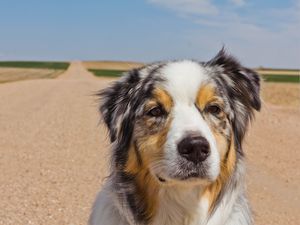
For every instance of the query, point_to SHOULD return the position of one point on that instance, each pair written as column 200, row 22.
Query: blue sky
column 260, row 33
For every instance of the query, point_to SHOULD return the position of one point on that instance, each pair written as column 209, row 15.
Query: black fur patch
column 120, row 106
column 240, row 87
column 126, row 190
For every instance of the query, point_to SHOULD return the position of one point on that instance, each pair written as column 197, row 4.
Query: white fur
column 186, row 117
column 179, row 203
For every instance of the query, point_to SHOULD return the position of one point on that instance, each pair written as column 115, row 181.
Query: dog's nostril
column 194, row 148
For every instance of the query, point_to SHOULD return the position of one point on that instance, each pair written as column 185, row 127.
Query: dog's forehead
column 182, row 80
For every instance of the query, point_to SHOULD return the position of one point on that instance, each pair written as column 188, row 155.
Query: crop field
column 110, row 68
column 107, row 73
column 15, row 74
column 279, row 75
column 35, row 64
column 281, row 78
column 266, row 77
column 266, row 71
column 115, row 69
column 111, row 65
column 14, row 71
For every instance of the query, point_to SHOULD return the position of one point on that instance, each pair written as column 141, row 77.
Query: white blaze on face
column 183, row 80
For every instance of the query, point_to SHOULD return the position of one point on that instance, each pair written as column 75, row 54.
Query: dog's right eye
column 213, row 109
column 156, row 112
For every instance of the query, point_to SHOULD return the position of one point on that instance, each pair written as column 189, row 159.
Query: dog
column 176, row 130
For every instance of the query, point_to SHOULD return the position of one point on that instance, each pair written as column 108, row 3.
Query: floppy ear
column 245, row 83
column 115, row 100
column 242, row 87
column 109, row 107
column 121, row 103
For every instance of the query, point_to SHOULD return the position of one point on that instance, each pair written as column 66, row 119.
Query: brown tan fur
column 207, row 95
column 150, row 150
column 150, row 146
column 227, row 167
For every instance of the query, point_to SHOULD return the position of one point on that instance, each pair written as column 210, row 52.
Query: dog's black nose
column 194, row 148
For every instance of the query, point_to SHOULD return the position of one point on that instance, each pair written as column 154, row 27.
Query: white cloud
column 253, row 44
column 268, row 37
column 188, row 7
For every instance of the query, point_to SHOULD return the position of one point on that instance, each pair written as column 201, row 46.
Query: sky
column 258, row 32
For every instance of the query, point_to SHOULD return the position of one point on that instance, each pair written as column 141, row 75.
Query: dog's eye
column 213, row 109
column 156, row 112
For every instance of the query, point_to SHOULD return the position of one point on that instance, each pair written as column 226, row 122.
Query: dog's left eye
column 213, row 109
column 156, row 112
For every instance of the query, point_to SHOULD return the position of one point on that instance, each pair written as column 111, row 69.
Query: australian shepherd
column 176, row 130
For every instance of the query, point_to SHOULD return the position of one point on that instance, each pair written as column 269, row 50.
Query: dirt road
column 54, row 153
column 52, row 149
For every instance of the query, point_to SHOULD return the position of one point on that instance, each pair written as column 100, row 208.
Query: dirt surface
column 15, row 74
column 280, row 94
column 52, row 148
column 272, row 148
column 54, row 153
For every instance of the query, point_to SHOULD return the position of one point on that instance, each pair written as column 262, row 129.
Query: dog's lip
column 191, row 176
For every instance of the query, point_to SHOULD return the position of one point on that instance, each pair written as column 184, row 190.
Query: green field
column 281, row 78
column 107, row 73
column 35, row 65
column 266, row 77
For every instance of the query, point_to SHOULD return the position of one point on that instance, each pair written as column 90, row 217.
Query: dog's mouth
column 184, row 172
column 194, row 176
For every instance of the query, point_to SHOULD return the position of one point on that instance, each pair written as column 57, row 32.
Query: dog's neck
column 192, row 205
column 180, row 205
column 152, row 203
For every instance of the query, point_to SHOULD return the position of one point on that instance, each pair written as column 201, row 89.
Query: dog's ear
column 115, row 100
column 242, row 87
column 121, row 104
column 244, row 82
column 109, row 107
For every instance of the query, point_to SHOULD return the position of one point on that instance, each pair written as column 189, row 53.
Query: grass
column 107, row 73
column 268, row 77
column 277, row 69
column 35, row 65
column 281, row 78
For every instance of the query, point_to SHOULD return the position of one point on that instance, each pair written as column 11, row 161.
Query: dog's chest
column 189, row 209
column 177, row 208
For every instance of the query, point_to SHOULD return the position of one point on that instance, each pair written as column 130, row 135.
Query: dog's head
column 182, row 121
